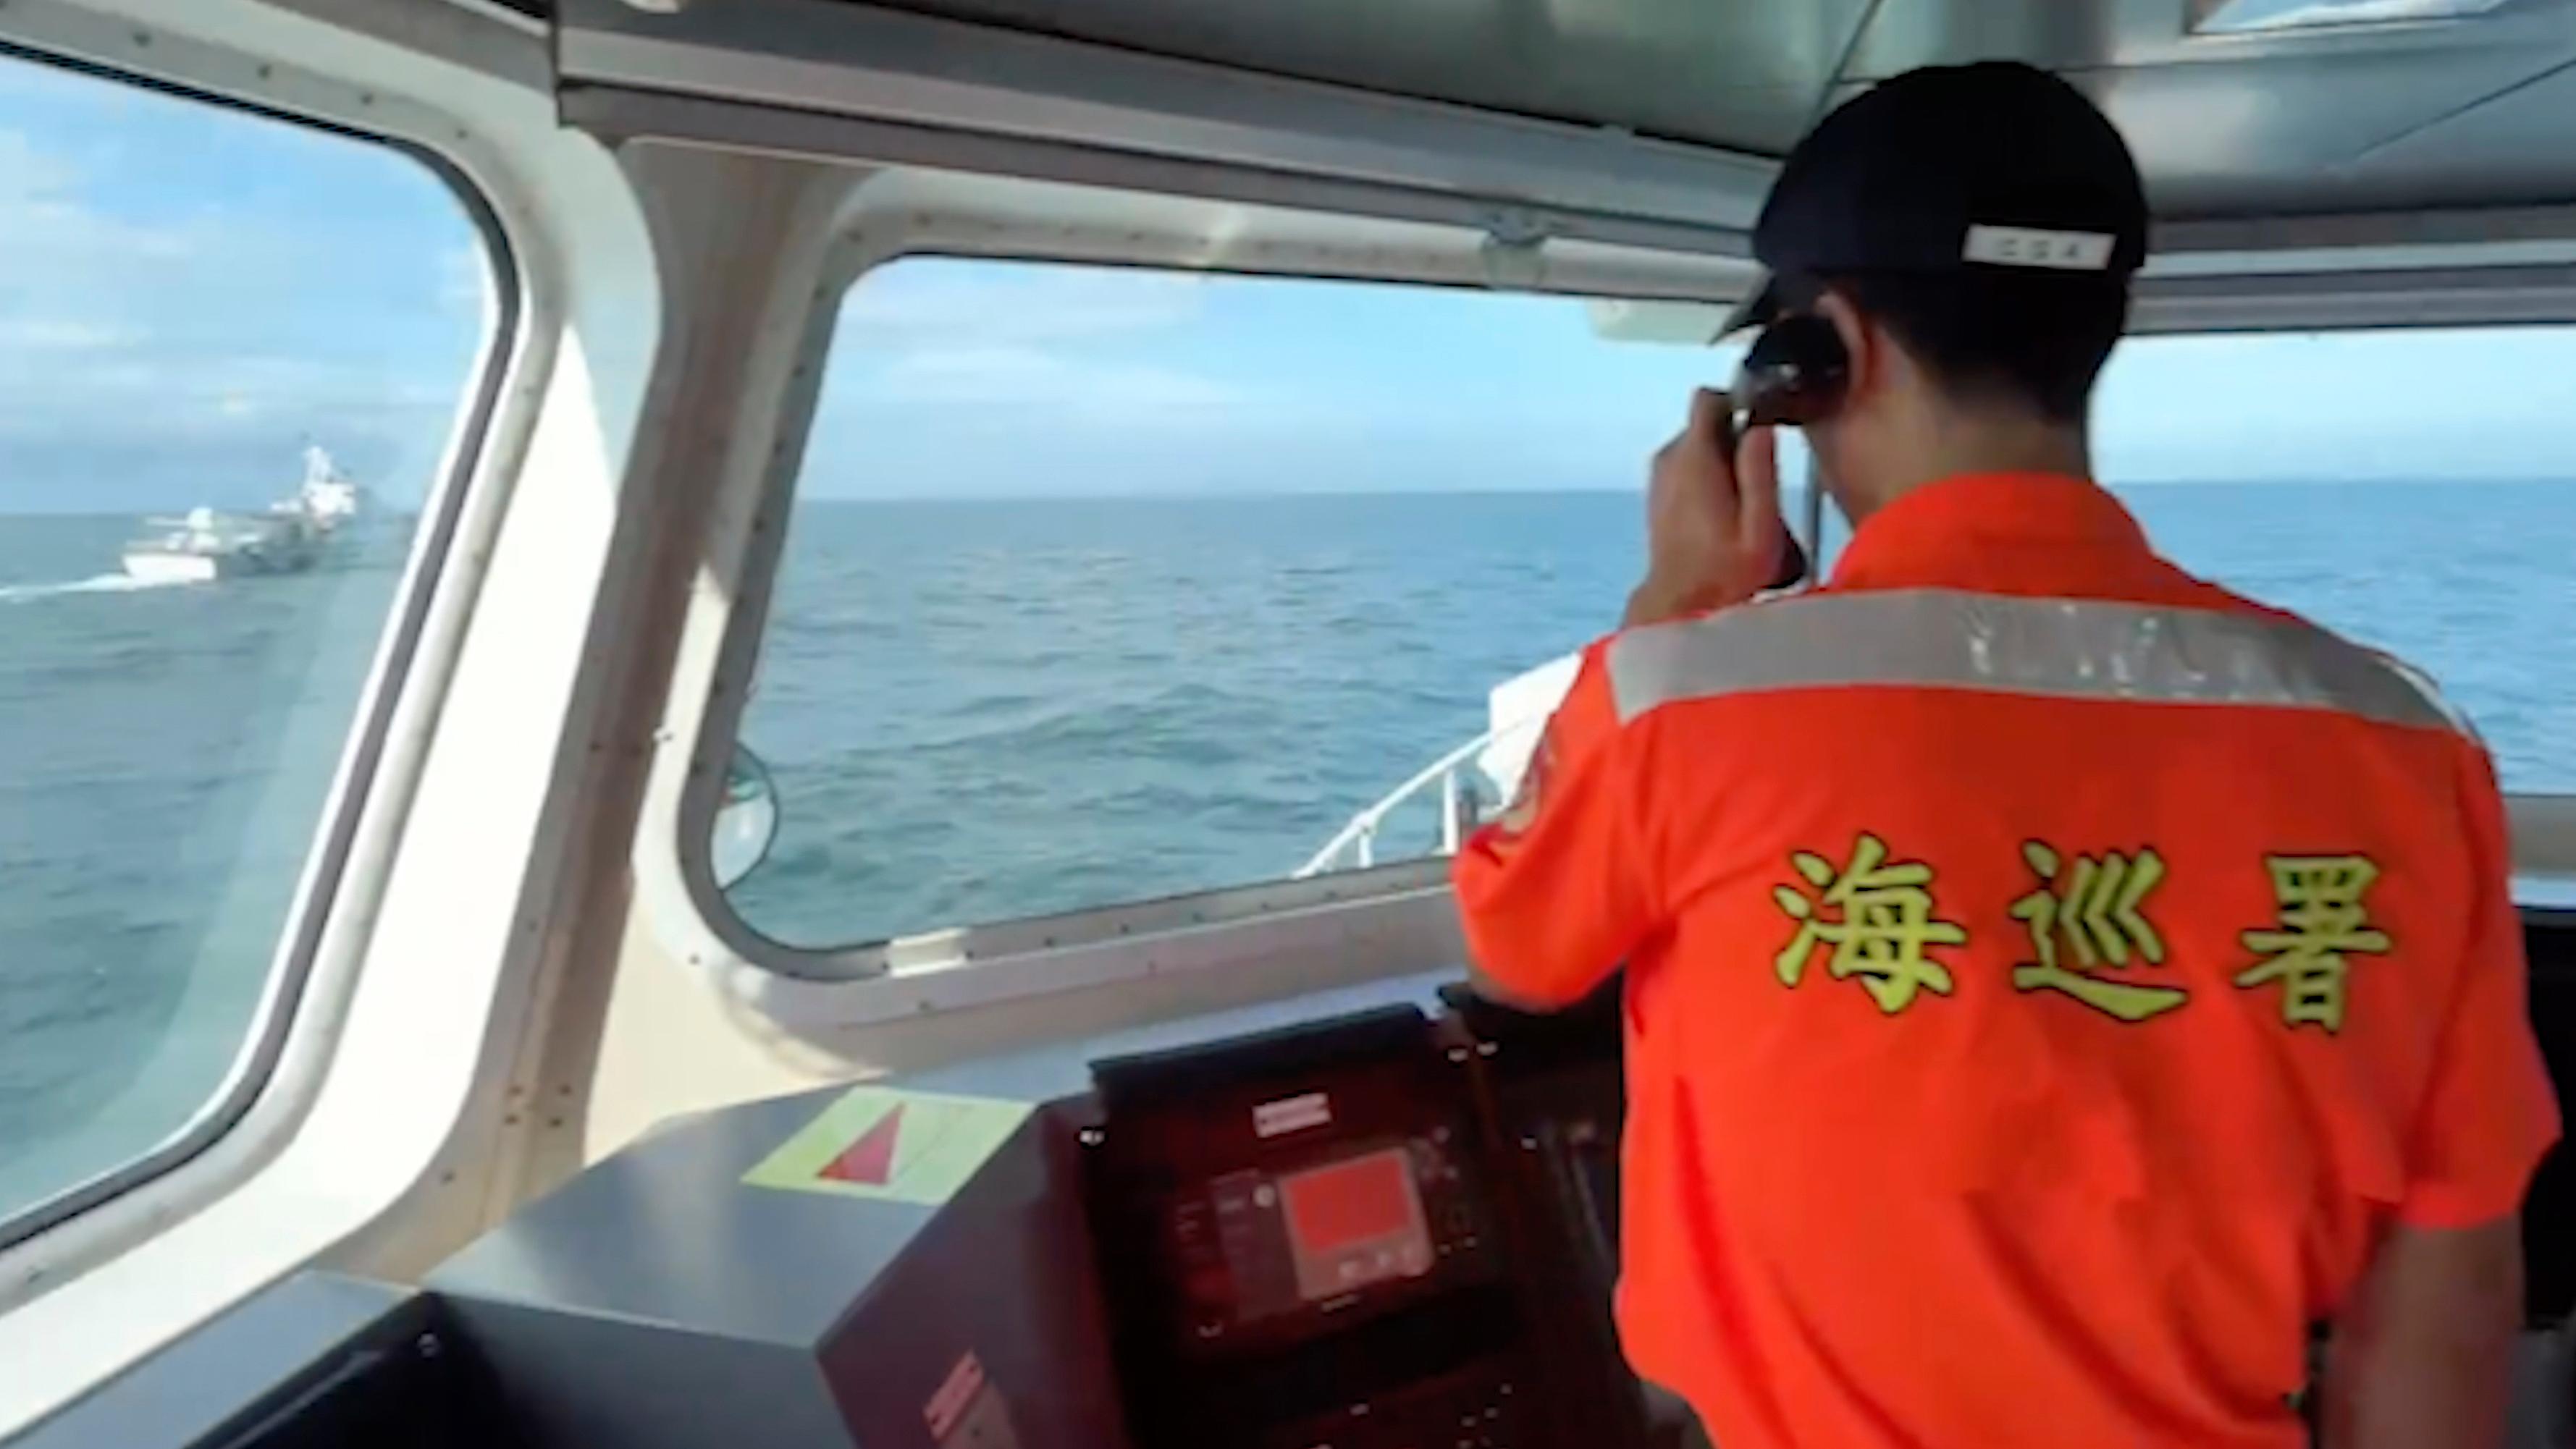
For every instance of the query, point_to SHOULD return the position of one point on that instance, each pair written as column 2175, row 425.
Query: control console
column 1308, row 1243
column 1382, row 1231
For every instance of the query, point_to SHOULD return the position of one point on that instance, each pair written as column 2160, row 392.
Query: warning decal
column 893, row 1146
column 869, row 1162
column 948, row 1406
column 968, row 1411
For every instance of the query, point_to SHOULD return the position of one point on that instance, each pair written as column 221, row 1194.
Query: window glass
column 232, row 350
column 1104, row 585
column 2412, row 490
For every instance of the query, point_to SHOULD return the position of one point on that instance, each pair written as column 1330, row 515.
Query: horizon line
column 1185, row 495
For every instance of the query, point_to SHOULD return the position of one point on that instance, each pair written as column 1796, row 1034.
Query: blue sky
column 993, row 378
column 188, row 294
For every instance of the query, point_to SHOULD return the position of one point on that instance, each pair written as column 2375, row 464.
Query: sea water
column 979, row 710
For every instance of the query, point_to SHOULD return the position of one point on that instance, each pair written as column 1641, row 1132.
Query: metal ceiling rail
column 766, row 71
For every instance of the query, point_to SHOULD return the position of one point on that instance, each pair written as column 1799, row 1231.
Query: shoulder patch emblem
column 1522, row 813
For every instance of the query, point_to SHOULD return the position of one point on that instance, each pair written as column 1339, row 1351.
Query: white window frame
column 363, row 754
column 418, row 972
column 911, row 215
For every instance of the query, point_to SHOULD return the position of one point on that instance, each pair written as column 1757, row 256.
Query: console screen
column 1354, row 1223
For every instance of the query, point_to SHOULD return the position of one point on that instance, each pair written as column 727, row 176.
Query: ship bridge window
column 1103, row 585
column 1108, row 584
column 2410, row 489
column 232, row 348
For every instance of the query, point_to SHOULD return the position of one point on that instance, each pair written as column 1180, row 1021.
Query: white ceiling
column 2473, row 111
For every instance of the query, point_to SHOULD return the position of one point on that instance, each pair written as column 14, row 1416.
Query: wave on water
column 98, row 584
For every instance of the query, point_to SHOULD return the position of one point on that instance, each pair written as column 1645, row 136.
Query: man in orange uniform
column 2054, row 983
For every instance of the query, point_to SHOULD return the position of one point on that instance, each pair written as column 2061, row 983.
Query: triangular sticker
column 884, row 1144
column 869, row 1161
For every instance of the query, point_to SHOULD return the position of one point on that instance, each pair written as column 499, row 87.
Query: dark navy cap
column 1948, row 168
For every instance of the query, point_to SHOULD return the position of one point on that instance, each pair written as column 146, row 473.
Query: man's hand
column 1713, row 534
column 2423, row 1354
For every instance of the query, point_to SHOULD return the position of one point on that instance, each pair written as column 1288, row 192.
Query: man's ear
column 1862, row 345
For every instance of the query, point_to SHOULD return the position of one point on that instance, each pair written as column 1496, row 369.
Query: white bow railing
column 1454, row 775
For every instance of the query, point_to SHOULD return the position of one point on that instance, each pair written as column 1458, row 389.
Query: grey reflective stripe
column 2422, row 683
column 2057, row 648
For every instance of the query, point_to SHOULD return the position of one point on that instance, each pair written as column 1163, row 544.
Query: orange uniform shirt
column 2045, row 972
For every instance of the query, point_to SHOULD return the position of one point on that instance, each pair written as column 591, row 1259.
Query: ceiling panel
column 2465, row 113
column 2092, row 34
column 2281, row 123
column 1743, row 76
column 2213, row 140
column 2217, row 142
column 2299, row 121
column 2518, row 146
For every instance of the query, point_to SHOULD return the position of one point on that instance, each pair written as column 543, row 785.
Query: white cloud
column 464, row 279
column 46, row 231
column 971, row 341
column 1033, row 378
column 942, row 303
column 965, row 378
column 157, row 351
column 27, row 171
column 62, row 334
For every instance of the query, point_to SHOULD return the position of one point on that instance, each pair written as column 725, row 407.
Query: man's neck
column 1962, row 447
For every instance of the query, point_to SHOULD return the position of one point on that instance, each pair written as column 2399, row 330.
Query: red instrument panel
column 1274, row 1250
column 1354, row 1223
